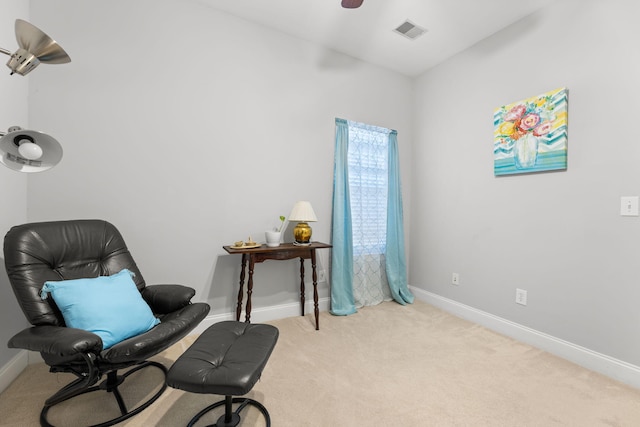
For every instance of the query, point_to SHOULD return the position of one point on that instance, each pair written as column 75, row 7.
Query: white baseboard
column 13, row 368
column 606, row 365
column 264, row 314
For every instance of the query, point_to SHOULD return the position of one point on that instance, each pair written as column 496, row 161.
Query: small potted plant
column 273, row 236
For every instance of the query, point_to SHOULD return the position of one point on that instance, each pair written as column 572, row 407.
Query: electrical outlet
column 455, row 279
column 521, row 297
column 322, row 277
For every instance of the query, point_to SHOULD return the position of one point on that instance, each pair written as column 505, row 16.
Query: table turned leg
column 249, row 290
column 302, row 291
column 314, row 275
column 241, row 291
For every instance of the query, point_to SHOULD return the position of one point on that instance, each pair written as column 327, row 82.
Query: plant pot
column 272, row 238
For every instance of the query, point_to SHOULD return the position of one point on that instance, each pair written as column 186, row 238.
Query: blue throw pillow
column 109, row 306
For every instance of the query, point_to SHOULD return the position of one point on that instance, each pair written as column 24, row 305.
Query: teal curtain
column 342, row 301
column 395, row 262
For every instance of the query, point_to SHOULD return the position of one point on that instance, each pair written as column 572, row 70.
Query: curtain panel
column 342, row 302
column 376, row 271
column 395, row 257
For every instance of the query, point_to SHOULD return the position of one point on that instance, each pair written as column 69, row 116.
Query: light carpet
column 388, row 365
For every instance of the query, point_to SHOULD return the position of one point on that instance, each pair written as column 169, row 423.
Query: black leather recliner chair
column 62, row 250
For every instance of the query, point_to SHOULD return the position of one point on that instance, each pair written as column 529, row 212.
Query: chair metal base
column 231, row 418
column 110, row 385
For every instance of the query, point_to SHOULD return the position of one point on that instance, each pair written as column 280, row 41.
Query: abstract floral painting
column 531, row 135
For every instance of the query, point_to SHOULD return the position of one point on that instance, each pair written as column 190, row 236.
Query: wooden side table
column 283, row 252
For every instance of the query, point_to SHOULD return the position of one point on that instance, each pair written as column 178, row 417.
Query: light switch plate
column 629, row 205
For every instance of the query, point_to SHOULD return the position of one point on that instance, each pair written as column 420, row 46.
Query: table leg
column 302, row 291
column 314, row 275
column 249, row 290
column 241, row 291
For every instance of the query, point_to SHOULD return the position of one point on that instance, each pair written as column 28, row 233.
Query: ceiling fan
column 351, row 4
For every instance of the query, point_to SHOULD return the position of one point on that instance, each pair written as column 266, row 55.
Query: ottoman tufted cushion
column 226, row 359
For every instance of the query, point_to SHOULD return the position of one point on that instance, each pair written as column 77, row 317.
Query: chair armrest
column 165, row 299
column 57, row 340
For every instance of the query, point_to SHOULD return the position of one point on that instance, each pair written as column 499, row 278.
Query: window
column 368, row 164
column 367, row 260
column 368, row 187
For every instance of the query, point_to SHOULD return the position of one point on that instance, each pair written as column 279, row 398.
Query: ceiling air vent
column 410, row 30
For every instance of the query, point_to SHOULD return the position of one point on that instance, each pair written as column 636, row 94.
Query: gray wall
column 13, row 186
column 190, row 129
column 558, row 235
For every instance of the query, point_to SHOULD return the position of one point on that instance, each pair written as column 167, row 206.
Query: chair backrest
column 61, row 250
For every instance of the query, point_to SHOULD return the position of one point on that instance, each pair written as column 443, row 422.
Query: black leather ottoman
column 226, row 359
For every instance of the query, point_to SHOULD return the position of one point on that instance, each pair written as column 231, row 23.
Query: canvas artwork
column 531, row 135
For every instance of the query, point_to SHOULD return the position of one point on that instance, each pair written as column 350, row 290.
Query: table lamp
column 302, row 212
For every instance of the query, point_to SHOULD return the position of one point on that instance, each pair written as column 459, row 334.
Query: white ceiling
column 367, row 33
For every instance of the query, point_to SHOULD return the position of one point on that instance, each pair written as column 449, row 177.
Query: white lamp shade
column 302, row 211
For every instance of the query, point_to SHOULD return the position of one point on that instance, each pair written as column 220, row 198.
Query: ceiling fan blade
column 351, row 4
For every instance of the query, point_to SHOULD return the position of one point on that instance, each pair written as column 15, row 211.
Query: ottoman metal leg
column 231, row 418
